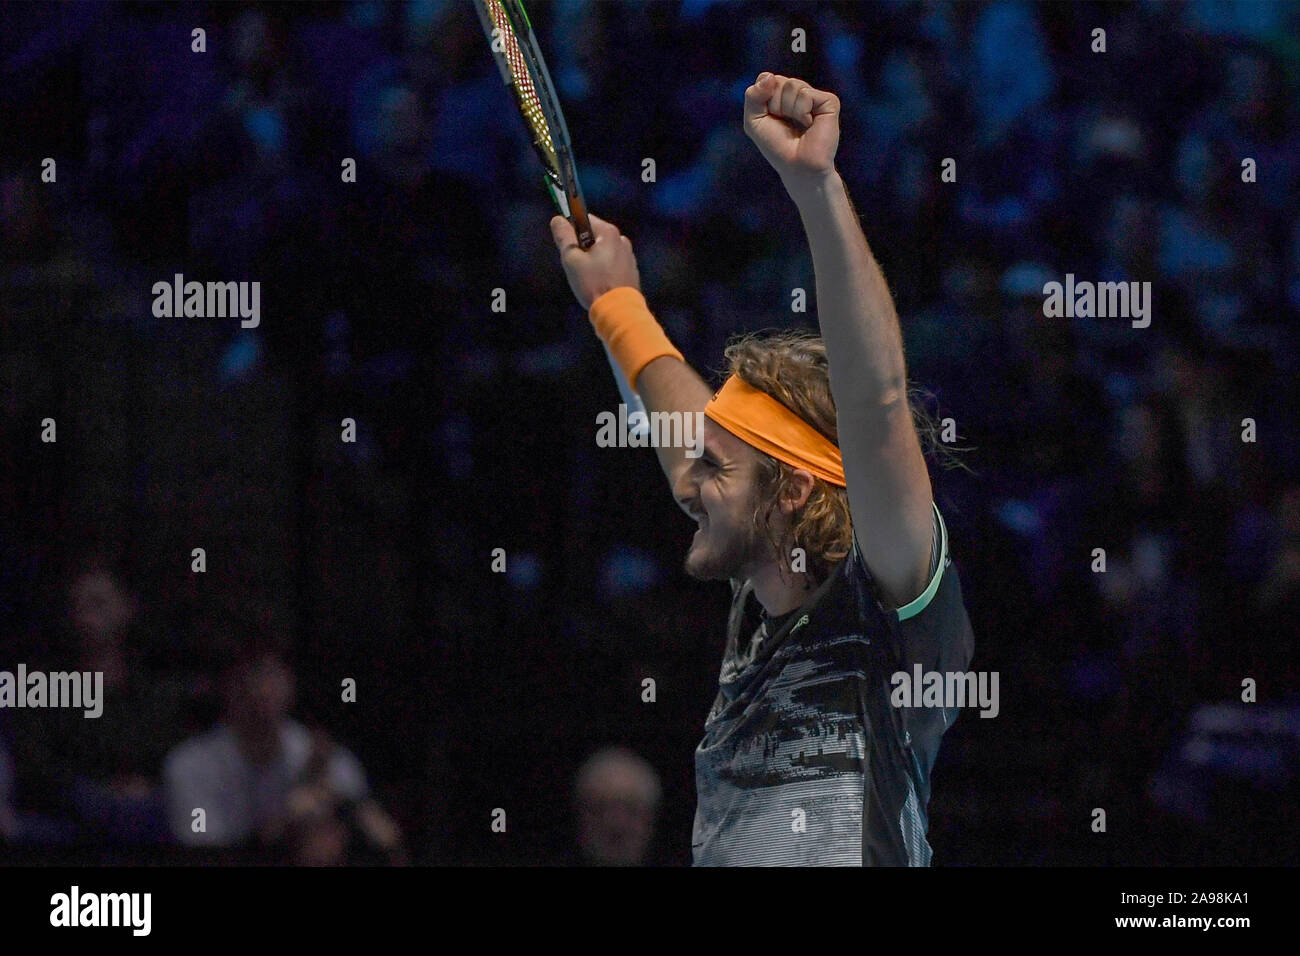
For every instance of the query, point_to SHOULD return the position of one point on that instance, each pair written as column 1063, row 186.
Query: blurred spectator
column 323, row 829
column 617, row 797
column 242, row 772
column 102, row 774
column 1008, row 88
column 1277, row 597
column 1228, row 755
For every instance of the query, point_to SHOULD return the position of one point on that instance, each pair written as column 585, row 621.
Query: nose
column 686, row 488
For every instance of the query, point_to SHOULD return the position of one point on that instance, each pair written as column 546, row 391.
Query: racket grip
column 639, row 425
column 581, row 222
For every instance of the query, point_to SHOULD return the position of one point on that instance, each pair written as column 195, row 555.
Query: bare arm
column 797, row 129
column 672, row 386
column 666, row 384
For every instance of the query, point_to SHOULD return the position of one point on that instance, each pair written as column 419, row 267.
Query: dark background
column 476, row 429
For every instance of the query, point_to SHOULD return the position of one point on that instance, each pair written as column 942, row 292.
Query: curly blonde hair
column 792, row 367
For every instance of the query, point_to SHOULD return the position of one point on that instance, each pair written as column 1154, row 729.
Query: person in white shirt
column 232, row 784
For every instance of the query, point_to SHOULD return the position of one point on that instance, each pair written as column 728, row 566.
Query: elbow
column 870, row 395
column 875, row 416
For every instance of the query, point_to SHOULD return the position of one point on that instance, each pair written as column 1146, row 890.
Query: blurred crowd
column 524, row 691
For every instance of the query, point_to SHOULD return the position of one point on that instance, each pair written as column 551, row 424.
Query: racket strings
column 530, row 102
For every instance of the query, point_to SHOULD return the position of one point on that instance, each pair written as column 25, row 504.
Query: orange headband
column 758, row 419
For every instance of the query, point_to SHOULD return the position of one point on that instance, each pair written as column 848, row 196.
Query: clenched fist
column 607, row 264
column 796, row 127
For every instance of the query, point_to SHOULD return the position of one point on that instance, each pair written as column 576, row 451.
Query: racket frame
column 562, row 183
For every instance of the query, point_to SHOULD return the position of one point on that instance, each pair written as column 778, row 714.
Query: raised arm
column 796, row 128
column 667, row 384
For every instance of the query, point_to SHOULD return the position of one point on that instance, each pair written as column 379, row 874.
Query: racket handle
column 581, row 222
column 641, row 425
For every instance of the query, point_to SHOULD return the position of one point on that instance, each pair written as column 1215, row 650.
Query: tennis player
column 811, row 495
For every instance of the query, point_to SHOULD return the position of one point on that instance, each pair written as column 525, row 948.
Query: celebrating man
column 812, row 495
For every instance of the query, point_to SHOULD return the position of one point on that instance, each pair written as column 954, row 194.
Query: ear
column 797, row 491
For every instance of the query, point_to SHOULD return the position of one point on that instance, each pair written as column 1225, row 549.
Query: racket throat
column 561, row 200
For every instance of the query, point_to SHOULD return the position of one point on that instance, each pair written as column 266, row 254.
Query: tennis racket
column 523, row 70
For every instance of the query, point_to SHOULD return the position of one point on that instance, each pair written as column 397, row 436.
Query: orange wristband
column 635, row 338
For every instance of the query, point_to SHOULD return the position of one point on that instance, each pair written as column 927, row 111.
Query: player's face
column 720, row 491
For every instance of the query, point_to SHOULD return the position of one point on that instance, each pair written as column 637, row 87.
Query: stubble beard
column 743, row 553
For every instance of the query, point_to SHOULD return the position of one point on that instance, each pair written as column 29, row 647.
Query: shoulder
column 347, row 775
column 940, row 562
column 345, row 771
column 199, row 752
column 934, row 624
column 942, row 581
